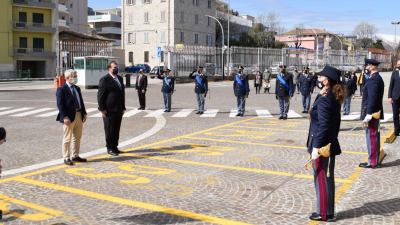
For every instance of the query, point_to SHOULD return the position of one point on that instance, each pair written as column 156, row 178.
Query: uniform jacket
column 67, row 105
column 325, row 123
column 281, row 90
column 198, row 88
column 372, row 96
column 110, row 96
column 143, row 83
column 306, row 84
column 394, row 87
column 165, row 87
column 241, row 90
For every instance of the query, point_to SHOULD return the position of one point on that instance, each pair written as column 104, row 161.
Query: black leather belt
column 78, row 110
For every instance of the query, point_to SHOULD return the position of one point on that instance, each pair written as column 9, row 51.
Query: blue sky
column 340, row 16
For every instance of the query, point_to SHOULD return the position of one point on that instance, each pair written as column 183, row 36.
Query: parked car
column 137, row 67
column 157, row 70
column 274, row 68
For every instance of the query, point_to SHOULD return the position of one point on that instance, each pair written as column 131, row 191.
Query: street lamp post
column 395, row 33
column 229, row 48
column 316, row 39
column 341, row 49
column 222, row 46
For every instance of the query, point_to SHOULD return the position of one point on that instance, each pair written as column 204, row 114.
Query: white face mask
column 73, row 81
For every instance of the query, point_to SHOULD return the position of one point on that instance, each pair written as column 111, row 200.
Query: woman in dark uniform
column 2, row 140
column 324, row 130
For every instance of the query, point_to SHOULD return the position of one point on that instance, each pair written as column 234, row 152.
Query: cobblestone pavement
column 215, row 170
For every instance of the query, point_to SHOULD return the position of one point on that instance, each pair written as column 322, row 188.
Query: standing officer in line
column 324, row 129
column 141, row 87
column 72, row 115
column 305, row 87
column 372, row 103
column 394, row 97
column 241, row 90
column 167, row 88
column 284, row 91
column 200, row 88
column 111, row 100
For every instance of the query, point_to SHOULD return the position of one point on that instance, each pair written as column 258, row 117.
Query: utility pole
column 395, row 34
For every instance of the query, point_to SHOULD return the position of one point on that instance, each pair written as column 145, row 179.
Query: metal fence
column 18, row 74
column 184, row 60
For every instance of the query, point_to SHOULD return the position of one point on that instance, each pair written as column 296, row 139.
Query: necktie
column 116, row 80
column 75, row 97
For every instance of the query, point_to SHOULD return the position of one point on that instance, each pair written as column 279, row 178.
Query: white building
column 152, row 24
column 73, row 15
column 107, row 23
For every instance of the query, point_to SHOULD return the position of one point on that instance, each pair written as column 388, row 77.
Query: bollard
column 127, row 80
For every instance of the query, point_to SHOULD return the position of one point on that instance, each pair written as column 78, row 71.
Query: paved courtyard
column 180, row 168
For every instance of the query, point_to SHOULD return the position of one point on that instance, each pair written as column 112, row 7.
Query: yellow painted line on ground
column 292, row 130
column 264, row 144
column 50, row 169
column 236, row 168
column 133, row 203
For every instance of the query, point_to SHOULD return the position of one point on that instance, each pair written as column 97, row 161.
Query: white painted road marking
column 14, row 111
column 32, row 112
column 263, row 113
column 183, row 113
column 210, row 113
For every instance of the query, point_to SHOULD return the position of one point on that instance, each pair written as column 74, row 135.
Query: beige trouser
column 72, row 137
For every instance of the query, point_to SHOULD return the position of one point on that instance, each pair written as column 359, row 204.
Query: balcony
column 33, row 27
column 63, row 23
column 62, row 9
column 35, row 3
column 108, row 30
column 33, row 53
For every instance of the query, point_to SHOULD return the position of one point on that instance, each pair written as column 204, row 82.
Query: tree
column 271, row 21
column 378, row 44
column 365, row 30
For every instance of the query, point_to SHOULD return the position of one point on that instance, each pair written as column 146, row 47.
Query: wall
column 6, row 40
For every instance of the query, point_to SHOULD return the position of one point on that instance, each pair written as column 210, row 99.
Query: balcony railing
column 108, row 30
column 63, row 9
column 63, row 23
column 34, row 52
column 34, row 27
column 36, row 3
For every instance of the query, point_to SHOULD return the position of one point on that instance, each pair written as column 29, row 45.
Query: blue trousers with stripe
column 325, row 186
column 373, row 137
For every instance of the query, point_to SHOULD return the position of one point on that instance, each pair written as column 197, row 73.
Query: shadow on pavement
column 155, row 218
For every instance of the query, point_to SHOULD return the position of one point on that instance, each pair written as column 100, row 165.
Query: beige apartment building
column 151, row 26
column 73, row 15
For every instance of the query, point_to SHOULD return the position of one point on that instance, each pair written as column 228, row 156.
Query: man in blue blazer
column 72, row 114
column 241, row 90
column 372, row 103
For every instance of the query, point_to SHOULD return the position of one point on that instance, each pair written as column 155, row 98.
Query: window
column 196, row 19
column 162, row 37
column 182, row 37
column 71, row 20
column 71, row 5
column 130, row 57
column 146, row 56
column 146, row 37
column 146, row 17
column 162, row 16
column 22, row 17
column 79, row 64
column 208, row 21
column 130, row 18
column 209, row 4
column 162, row 56
column 38, row 44
column 182, row 17
column 146, row 1
column 131, row 38
column 196, row 2
column 196, row 38
column 209, row 41
column 23, row 42
column 130, row 2
column 37, row 18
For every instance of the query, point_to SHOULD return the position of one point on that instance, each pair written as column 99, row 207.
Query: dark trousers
column 325, row 185
column 142, row 99
column 112, row 125
column 396, row 108
column 258, row 88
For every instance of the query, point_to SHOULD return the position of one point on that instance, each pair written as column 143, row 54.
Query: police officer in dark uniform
column 200, row 88
column 324, row 129
column 241, row 90
column 371, row 104
column 284, row 90
column 306, row 86
column 394, row 97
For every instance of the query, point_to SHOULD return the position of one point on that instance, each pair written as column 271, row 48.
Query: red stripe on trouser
column 323, row 198
column 372, row 138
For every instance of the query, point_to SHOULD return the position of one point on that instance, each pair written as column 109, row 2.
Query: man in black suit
column 141, row 87
column 111, row 100
column 72, row 115
column 394, row 97
column 372, row 103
